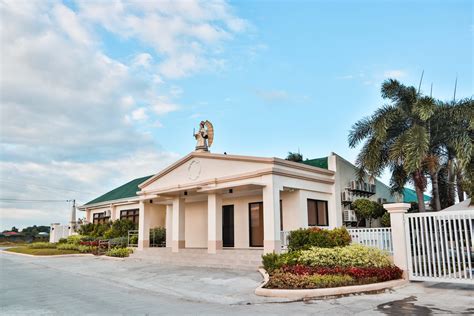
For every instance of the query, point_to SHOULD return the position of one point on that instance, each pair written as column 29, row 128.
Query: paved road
column 89, row 285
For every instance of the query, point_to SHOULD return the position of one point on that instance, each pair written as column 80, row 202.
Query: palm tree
column 297, row 157
column 451, row 148
column 396, row 136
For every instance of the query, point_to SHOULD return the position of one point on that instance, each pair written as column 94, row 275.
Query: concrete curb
column 314, row 293
column 48, row 256
column 111, row 258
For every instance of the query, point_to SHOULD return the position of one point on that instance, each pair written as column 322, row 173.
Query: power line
column 31, row 200
column 42, row 186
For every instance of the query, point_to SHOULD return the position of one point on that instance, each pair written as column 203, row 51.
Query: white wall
column 195, row 220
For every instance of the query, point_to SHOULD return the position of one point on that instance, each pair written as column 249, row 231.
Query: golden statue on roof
column 204, row 136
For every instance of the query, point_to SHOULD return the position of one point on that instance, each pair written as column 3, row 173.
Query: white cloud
column 182, row 33
column 67, row 108
column 143, row 60
column 272, row 95
column 396, row 74
column 82, row 181
column 139, row 114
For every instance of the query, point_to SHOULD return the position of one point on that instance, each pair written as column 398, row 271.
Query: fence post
column 399, row 242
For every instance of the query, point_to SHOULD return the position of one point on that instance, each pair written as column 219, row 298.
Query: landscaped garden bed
column 319, row 259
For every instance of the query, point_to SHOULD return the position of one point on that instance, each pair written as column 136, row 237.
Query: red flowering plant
column 93, row 243
column 380, row 274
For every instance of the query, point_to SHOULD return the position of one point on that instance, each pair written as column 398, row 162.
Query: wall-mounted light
column 185, row 192
column 231, row 191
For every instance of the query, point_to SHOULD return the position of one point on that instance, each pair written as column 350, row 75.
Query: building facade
column 216, row 201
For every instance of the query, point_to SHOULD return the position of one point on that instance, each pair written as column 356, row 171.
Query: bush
column 119, row 242
column 42, row 245
column 158, row 236
column 282, row 280
column 273, row 261
column 119, row 228
column 93, row 243
column 86, row 249
column 134, row 240
column 119, row 252
column 68, row 247
column 350, row 256
column 62, row 240
column 385, row 220
column 379, row 274
column 316, row 237
column 75, row 239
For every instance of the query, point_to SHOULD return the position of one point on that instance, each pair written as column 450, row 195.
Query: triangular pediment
column 198, row 167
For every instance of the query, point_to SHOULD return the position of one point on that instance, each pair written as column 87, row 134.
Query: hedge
column 316, row 237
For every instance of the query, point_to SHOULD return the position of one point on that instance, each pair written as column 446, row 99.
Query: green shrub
column 119, row 242
column 385, row 220
column 281, row 280
column 119, row 252
column 158, row 236
column 134, row 240
column 86, row 249
column 75, row 239
column 316, row 237
column 42, row 245
column 68, row 247
column 350, row 256
column 273, row 261
column 62, row 240
column 119, row 228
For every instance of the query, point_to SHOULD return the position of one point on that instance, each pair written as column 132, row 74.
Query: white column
column 214, row 223
column 271, row 218
column 178, row 224
column 169, row 225
column 397, row 211
column 143, row 226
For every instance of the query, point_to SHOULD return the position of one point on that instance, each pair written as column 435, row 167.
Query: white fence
column 375, row 237
column 440, row 246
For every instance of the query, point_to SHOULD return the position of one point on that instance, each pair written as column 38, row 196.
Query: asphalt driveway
column 91, row 285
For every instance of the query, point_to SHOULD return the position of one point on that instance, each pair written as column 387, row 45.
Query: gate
column 440, row 246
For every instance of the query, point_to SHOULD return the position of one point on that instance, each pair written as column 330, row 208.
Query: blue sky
column 95, row 94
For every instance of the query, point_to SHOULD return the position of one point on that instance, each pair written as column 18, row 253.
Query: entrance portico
column 260, row 198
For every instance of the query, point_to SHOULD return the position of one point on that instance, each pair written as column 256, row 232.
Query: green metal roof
column 124, row 191
column 317, row 162
column 409, row 196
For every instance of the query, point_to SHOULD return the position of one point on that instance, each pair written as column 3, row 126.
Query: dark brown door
column 256, row 224
column 228, row 226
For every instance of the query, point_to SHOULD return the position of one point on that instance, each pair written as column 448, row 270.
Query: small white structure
column 58, row 231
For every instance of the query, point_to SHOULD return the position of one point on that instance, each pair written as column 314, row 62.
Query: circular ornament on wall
column 194, row 170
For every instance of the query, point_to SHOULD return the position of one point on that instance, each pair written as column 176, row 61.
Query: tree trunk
column 420, row 181
column 459, row 186
column 434, row 184
column 451, row 180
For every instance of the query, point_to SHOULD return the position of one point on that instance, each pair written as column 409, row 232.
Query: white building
column 208, row 200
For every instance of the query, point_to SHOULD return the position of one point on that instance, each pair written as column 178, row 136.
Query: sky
column 97, row 93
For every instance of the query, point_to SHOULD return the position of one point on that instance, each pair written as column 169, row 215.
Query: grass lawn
column 41, row 252
column 10, row 243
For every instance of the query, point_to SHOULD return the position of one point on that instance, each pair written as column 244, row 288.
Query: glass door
column 228, row 226
column 256, row 224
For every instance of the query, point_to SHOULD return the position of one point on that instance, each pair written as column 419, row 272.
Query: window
column 100, row 218
column 318, row 213
column 131, row 215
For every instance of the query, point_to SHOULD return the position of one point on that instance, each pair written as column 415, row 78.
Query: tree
column 14, row 229
column 450, row 150
column 396, row 136
column 296, row 157
column 368, row 210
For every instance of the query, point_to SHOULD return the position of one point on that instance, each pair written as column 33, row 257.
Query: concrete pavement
column 90, row 285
